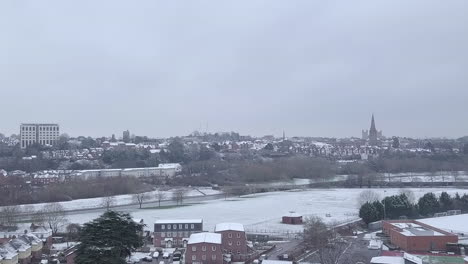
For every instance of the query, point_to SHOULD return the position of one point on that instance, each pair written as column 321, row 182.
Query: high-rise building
column 126, row 136
column 43, row 134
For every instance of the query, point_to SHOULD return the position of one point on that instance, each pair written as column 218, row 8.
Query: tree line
column 404, row 205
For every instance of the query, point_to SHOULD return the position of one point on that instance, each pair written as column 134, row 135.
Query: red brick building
column 411, row 235
column 204, row 248
column 292, row 219
column 234, row 241
column 175, row 233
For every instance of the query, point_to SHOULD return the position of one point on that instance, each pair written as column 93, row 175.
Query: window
column 169, row 227
column 192, row 226
column 174, row 227
column 180, row 226
column 238, row 235
column 163, row 227
column 203, row 248
column 230, row 243
column 230, row 235
column 194, row 248
column 186, row 226
column 194, row 257
column 163, row 234
column 213, row 257
column 238, row 243
column 213, row 248
column 203, row 257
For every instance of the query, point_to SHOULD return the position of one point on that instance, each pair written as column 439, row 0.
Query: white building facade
column 43, row 134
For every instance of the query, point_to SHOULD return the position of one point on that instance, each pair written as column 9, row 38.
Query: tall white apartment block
column 43, row 134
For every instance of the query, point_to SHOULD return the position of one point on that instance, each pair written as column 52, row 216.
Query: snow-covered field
column 119, row 200
column 455, row 223
column 263, row 212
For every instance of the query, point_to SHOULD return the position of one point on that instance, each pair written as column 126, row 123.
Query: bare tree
column 9, row 215
column 72, row 231
column 38, row 218
column 179, row 195
column 409, row 194
column 160, row 196
column 108, row 202
column 322, row 238
column 140, row 198
column 54, row 216
column 367, row 196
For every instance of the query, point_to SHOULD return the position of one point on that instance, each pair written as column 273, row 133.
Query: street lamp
column 385, row 207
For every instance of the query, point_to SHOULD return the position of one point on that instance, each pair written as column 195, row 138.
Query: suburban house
column 175, row 233
column 204, row 248
column 40, row 232
column 234, row 241
column 23, row 249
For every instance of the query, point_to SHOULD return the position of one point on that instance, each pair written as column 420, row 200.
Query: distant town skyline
column 312, row 68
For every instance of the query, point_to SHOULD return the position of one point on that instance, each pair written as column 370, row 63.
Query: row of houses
column 24, row 245
column 166, row 170
column 163, row 171
column 228, row 242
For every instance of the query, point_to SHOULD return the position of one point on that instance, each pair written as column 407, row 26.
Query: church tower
column 373, row 134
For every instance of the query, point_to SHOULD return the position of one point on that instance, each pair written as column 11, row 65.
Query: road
column 283, row 248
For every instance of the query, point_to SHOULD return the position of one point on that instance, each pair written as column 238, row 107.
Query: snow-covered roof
column 293, row 214
column 268, row 261
column 396, row 260
column 169, row 165
column 179, row 221
column 7, row 252
column 453, row 224
column 229, row 226
column 412, row 229
column 387, row 260
column 211, row 238
column 19, row 245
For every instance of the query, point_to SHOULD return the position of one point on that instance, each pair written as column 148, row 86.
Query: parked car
column 166, row 255
column 148, row 258
column 156, row 255
column 161, row 262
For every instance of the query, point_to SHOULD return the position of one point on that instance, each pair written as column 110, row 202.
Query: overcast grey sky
column 162, row 68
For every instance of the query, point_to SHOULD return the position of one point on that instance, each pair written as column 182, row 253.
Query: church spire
column 372, row 126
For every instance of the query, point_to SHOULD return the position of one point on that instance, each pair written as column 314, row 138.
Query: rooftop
column 179, row 221
column 211, row 238
column 229, row 226
column 413, row 229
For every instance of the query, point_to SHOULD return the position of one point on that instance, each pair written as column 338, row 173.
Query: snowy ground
column 455, row 223
column 262, row 212
column 120, row 199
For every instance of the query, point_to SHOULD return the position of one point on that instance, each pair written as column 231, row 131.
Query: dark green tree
column 396, row 206
column 108, row 239
column 371, row 212
column 446, row 201
column 428, row 204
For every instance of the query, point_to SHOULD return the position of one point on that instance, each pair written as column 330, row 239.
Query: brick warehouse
column 411, row 235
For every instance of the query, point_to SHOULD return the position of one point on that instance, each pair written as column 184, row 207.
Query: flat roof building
column 42, row 134
column 411, row 235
